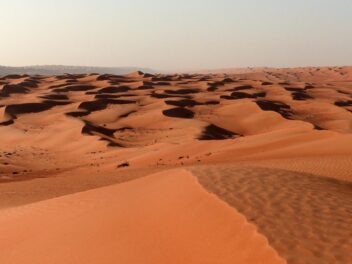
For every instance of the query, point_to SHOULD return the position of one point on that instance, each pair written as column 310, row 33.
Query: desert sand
column 227, row 166
column 168, row 218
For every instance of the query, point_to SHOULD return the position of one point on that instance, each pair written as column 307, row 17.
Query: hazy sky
column 176, row 34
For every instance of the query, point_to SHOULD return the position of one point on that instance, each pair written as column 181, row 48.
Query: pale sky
column 178, row 34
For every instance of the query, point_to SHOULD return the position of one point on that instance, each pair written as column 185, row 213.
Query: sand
column 163, row 218
column 271, row 149
column 301, row 214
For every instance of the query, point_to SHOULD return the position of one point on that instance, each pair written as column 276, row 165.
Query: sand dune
column 309, row 216
column 274, row 144
column 164, row 218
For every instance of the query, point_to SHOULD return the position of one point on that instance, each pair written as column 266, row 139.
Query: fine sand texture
column 301, row 214
column 101, row 168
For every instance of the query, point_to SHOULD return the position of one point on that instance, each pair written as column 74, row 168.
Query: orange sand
column 274, row 144
column 164, row 218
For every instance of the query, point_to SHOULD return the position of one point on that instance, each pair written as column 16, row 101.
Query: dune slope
column 306, row 218
column 164, row 218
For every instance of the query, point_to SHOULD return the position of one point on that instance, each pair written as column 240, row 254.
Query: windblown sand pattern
column 274, row 146
column 301, row 215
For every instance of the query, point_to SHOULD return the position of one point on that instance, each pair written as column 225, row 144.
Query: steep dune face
column 164, row 218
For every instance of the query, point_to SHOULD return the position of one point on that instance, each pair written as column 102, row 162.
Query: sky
column 176, row 35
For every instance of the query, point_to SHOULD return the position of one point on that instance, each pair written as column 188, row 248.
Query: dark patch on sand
column 179, row 112
column 213, row 132
column 281, row 108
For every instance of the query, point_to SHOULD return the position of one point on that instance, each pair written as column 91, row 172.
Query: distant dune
column 306, row 73
column 62, row 69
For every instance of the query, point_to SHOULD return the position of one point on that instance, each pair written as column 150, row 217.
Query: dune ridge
column 163, row 218
column 306, row 218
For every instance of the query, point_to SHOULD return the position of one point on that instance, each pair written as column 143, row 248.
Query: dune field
column 227, row 166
